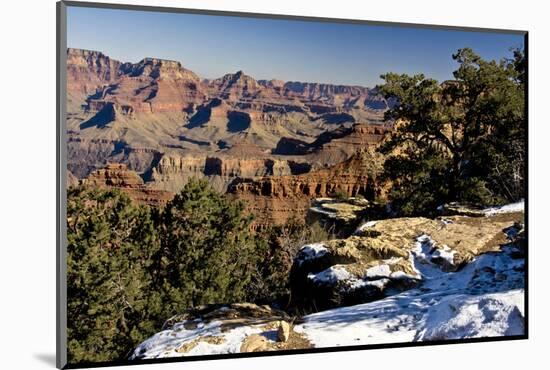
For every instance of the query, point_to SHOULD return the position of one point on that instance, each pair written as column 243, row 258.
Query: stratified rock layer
column 277, row 199
column 117, row 176
column 161, row 106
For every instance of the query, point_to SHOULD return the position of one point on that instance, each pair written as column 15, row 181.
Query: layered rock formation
column 173, row 171
column 161, row 106
column 335, row 146
column 151, row 86
column 319, row 95
column 276, row 199
column 88, row 70
column 117, row 176
column 274, row 144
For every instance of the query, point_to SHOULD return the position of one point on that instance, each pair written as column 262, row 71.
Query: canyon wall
column 273, row 200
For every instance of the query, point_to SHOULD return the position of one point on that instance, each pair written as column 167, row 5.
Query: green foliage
column 208, row 254
column 462, row 140
column 418, row 179
column 340, row 195
column 281, row 243
column 131, row 267
column 110, row 246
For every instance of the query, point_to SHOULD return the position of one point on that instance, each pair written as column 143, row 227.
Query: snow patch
column 489, row 315
column 446, row 253
column 330, row 214
column 485, row 298
column 165, row 343
column 425, row 253
column 359, row 283
column 508, row 208
column 378, row 271
column 365, row 226
column 401, row 275
column 330, row 275
column 311, row 251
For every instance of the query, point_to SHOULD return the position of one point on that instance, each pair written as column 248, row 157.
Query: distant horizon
column 231, row 73
column 279, row 49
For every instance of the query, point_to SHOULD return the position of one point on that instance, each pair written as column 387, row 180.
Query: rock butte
column 117, row 176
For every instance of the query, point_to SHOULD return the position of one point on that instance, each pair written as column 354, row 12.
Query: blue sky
column 339, row 53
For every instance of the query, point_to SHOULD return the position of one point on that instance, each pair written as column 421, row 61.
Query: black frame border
column 61, row 164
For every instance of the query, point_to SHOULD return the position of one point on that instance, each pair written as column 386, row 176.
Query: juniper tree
column 111, row 300
column 462, row 139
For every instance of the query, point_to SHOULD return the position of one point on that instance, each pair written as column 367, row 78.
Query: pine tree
column 110, row 247
column 208, row 254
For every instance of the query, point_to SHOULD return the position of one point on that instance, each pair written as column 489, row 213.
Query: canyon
column 148, row 127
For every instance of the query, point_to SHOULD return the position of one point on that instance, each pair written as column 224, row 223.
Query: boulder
column 254, row 343
column 283, row 332
column 228, row 328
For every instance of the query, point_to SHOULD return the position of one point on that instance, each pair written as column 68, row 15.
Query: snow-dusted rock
column 483, row 299
column 391, row 254
column 215, row 329
column 508, row 208
column 475, row 211
column 310, row 252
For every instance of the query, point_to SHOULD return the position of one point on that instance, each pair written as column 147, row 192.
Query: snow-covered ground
column 485, row 298
column 508, row 208
column 331, row 275
column 165, row 343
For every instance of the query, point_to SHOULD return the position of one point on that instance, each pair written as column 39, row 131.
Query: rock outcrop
column 276, row 199
column 117, row 176
column 240, row 327
column 173, row 171
column 393, row 254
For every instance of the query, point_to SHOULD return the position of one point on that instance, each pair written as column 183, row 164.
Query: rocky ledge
column 118, row 176
column 388, row 256
column 229, row 328
column 394, row 281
